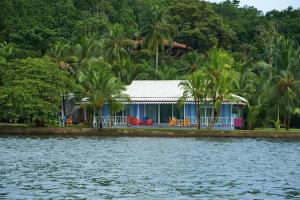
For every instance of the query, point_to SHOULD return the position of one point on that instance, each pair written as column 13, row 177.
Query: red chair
column 133, row 121
column 148, row 122
column 129, row 120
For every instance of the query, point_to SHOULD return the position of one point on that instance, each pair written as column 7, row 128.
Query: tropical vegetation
column 92, row 48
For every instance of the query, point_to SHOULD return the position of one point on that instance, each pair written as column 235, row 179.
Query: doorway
column 165, row 112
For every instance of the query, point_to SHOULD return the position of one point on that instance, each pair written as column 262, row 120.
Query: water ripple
column 148, row 168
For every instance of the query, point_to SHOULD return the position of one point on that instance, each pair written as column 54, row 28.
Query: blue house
column 157, row 99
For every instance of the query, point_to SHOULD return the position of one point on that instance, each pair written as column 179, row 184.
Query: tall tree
column 127, row 71
column 87, row 49
column 285, row 77
column 61, row 54
column 168, row 73
column 221, row 78
column 157, row 32
column 286, row 22
column 243, row 21
column 35, row 25
column 252, row 84
column 91, row 26
column 31, row 90
column 198, row 25
column 101, row 87
column 195, row 87
column 116, row 46
column 191, row 62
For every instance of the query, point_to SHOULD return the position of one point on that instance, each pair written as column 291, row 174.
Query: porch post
column 62, row 110
column 158, row 120
column 138, row 111
column 205, row 115
column 172, row 111
column 231, row 120
column 183, row 111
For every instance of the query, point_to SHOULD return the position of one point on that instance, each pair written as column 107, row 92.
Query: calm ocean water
column 148, row 168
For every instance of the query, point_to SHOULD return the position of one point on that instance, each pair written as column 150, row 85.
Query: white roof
column 159, row 91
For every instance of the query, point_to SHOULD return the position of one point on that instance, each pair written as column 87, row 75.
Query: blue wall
column 135, row 108
column 226, row 110
column 190, row 110
column 225, row 113
column 105, row 110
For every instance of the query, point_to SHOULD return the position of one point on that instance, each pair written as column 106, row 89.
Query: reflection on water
column 148, row 168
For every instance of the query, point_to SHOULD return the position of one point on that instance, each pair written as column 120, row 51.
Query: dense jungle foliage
column 52, row 47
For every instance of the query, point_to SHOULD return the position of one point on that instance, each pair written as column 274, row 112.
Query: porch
column 221, row 123
column 161, row 114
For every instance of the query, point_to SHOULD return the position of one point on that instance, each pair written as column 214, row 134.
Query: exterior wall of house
column 190, row 110
column 134, row 110
column 141, row 111
column 224, row 122
column 137, row 110
column 105, row 110
column 226, row 110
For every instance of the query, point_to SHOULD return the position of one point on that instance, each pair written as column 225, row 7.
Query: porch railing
column 121, row 121
column 218, row 121
column 111, row 121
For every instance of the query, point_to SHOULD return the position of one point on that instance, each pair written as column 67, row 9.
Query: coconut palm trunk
column 195, row 87
column 212, row 117
column 156, row 62
column 100, row 116
column 197, row 103
column 288, row 121
column 84, row 113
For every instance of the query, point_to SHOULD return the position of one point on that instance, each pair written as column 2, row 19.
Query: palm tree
column 116, row 45
column 101, row 87
column 195, row 86
column 287, row 64
column 156, row 32
column 252, row 83
column 191, row 62
column 221, row 79
column 284, row 87
column 86, row 50
column 127, row 71
column 253, row 111
column 168, row 73
column 61, row 54
column 247, row 80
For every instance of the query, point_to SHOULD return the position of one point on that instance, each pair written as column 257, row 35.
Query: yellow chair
column 186, row 122
column 172, row 121
column 69, row 121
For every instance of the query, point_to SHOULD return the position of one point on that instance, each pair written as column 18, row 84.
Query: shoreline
column 147, row 132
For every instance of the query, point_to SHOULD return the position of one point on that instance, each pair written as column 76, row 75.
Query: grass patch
column 13, row 125
column 273, row 130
